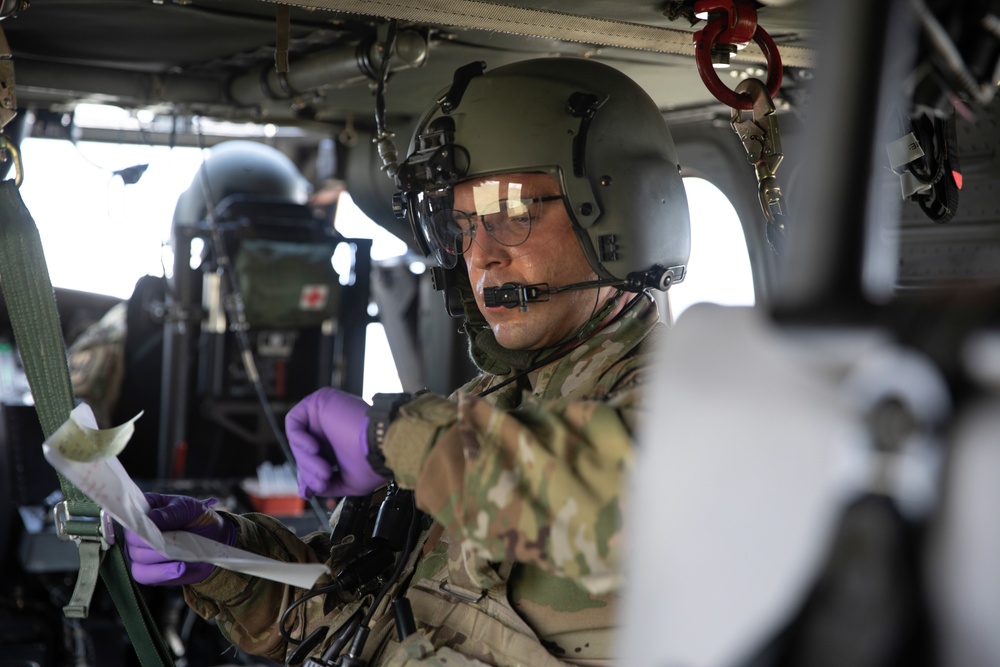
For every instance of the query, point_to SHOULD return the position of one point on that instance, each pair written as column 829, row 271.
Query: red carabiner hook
column 733, row 22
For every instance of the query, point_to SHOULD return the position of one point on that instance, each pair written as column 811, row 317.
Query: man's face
column 551, row 254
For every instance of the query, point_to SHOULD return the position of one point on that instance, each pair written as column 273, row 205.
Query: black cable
column 344, row 635
column 597, row 302
column 282, row 627
column 603, row 282
column 932, row 139
column 411, row 540
column 383, row 75
column 383, row 138
column 361, row 634
column 235, row 311
column 939, row 201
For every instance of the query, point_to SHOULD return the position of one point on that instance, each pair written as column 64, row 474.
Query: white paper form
column 88, row 457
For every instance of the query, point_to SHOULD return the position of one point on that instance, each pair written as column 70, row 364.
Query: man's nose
column 485, row 252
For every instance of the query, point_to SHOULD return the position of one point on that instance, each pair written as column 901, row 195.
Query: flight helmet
column 585, row 123
column 240, row 168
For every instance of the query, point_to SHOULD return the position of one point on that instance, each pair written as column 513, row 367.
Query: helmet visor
column 443, row 242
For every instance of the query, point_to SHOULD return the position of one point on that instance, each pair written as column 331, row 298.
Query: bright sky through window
column 101, row 236
column 719, row 268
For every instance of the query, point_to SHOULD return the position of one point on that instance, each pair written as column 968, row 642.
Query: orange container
column 278, row 505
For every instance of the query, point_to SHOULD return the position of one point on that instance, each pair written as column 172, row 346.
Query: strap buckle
column 465, row 594
column 83, row 528
column 94, row 536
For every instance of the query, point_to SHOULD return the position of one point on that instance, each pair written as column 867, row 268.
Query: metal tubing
column 339, row 66
column 176, row 357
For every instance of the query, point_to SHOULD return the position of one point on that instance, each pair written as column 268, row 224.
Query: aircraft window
column 100, row 235
column 381, row 375
column 354, row 224
column 719, row 268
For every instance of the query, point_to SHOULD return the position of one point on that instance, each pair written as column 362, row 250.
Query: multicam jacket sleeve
column 97, row 364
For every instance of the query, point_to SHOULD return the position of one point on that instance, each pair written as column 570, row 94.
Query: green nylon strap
column 35, row 321
column 86, row 579
column 31, row 305
column 139, row 621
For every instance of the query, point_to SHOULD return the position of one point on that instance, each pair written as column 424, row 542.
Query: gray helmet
column 588, row 125
column 240, row 168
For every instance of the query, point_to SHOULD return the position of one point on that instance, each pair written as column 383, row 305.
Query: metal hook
column 10, row 147
column 762, row 141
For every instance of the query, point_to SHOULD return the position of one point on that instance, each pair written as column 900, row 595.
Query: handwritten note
column 87, row 456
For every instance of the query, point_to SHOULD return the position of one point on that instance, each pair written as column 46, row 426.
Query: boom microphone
column 513, row 295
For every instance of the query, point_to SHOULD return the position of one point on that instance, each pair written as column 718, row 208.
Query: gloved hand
column 169, row 512
column 329, row 428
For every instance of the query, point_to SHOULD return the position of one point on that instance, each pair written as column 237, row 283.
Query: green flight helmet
column 240, row 167
column 587, row 124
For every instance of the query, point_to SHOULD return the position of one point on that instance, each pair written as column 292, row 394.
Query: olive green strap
column 31, row 305
column 35, row 321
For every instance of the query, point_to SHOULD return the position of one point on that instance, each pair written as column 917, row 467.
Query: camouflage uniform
column 522, row 563
column 97, row 363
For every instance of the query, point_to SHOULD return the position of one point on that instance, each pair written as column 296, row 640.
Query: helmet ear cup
column 646, row 220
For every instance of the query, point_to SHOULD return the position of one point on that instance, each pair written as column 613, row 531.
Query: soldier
column 549, row 193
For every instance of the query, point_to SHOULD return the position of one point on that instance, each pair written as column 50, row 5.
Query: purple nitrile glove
column 328, row 429
column 168, row 512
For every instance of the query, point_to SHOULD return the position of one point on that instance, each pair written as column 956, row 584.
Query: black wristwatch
column 384, row 409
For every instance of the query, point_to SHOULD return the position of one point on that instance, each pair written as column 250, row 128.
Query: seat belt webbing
column 27, row 291
column 546, row 24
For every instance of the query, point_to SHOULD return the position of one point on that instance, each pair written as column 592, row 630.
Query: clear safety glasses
column 450, row 232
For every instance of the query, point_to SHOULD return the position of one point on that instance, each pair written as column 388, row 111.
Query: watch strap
column 383, row 410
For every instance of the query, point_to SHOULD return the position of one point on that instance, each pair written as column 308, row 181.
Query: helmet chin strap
column 515, row 295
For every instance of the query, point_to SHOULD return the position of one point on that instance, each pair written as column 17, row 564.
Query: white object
column 87, row 456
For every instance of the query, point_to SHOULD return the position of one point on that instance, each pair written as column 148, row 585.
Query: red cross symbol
column 313, row 297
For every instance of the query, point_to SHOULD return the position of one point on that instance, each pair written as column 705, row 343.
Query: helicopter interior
column 863, row 175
